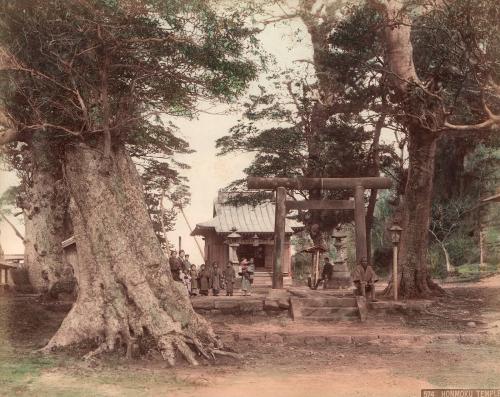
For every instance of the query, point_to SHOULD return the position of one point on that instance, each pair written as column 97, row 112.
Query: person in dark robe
column 364, row 279
column 229, row 278
column 216, row 279
column 194, row 280
column 184, row 263
column 327, row 272
column 204, row 280
column 187, row 263
column 175, row 265
column 251, row 269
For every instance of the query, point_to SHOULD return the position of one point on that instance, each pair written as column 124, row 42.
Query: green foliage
column 467, row 170
column 78, row 71
column 456, row 52
column 155, row 57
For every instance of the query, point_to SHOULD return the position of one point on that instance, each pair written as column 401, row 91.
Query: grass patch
column 474, row 270
column 25, row 326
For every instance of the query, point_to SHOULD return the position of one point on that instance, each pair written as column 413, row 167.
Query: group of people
column 214, row 278
column 210, row 276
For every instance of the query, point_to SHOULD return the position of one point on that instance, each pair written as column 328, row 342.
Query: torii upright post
column 360, row 223
column 279, row 237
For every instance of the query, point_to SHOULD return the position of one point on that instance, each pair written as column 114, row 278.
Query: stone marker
column 362, row 307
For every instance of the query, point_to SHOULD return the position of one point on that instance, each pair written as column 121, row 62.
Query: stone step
column 326, row 302
column 331, row 317
column 308, row 312
column 266, row 280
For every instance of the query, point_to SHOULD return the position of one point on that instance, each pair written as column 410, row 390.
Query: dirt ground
column 270, row 369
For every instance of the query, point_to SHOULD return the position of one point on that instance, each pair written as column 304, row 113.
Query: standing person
column 194, row 280
column 175, row 265
column 186, row 280
column 245, row 274
column 182, row 259
column 229, row 277
column 204, row 280
column 216, row 279
column 187, row 264
column 251, row 269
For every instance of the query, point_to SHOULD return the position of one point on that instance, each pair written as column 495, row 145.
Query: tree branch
column 16, row 231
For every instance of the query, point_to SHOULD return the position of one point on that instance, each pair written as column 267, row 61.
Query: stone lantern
column 341, row 277
column 233, row 241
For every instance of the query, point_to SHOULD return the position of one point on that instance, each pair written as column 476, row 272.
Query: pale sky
column 208, row 172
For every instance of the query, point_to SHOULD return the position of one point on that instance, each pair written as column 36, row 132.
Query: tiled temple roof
column 245, row 218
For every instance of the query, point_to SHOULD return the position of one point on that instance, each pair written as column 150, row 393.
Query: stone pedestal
column 341, row 277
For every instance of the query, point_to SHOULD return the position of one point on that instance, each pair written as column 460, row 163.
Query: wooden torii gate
column 358, row 185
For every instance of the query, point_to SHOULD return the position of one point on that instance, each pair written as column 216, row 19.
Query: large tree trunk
column 126, row 291
column 374, row 156
column 44, row 208
column 414, row 278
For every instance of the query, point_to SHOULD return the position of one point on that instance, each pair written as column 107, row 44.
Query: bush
column 437, row 261
column 301, row 265
column 21, row 280
column 382, row 261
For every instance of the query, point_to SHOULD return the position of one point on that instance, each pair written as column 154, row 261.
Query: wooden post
column 180, row 243
column 316, row 268
column 360, row 225
column 195, row 239
column 395, row 271
column 279, row 237
column 481, row 247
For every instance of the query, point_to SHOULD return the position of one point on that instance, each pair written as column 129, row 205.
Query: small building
column 8, row 263
column 70, row 253
column 255, row 225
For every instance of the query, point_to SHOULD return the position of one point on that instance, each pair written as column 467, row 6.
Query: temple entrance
column 256, row 252
column 357, row 185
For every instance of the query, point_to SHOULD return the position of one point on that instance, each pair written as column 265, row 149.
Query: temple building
column 253, row 227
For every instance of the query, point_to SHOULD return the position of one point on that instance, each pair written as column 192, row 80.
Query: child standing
column 194, row 280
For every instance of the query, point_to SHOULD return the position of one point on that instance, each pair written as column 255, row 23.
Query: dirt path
column 269, row 369
column 299, row 372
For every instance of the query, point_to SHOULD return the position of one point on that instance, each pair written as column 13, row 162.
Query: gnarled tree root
column 169, row 344
column 191, row 342
column 422, row 287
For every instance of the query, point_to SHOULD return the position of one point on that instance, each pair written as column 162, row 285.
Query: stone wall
column 241, row 306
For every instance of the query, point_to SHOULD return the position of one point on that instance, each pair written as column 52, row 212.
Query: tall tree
column 324, row 120
column 441, row 59
column 89, row 77
column 43, row 201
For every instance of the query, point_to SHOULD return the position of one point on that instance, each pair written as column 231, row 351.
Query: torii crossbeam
column 358, row 185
